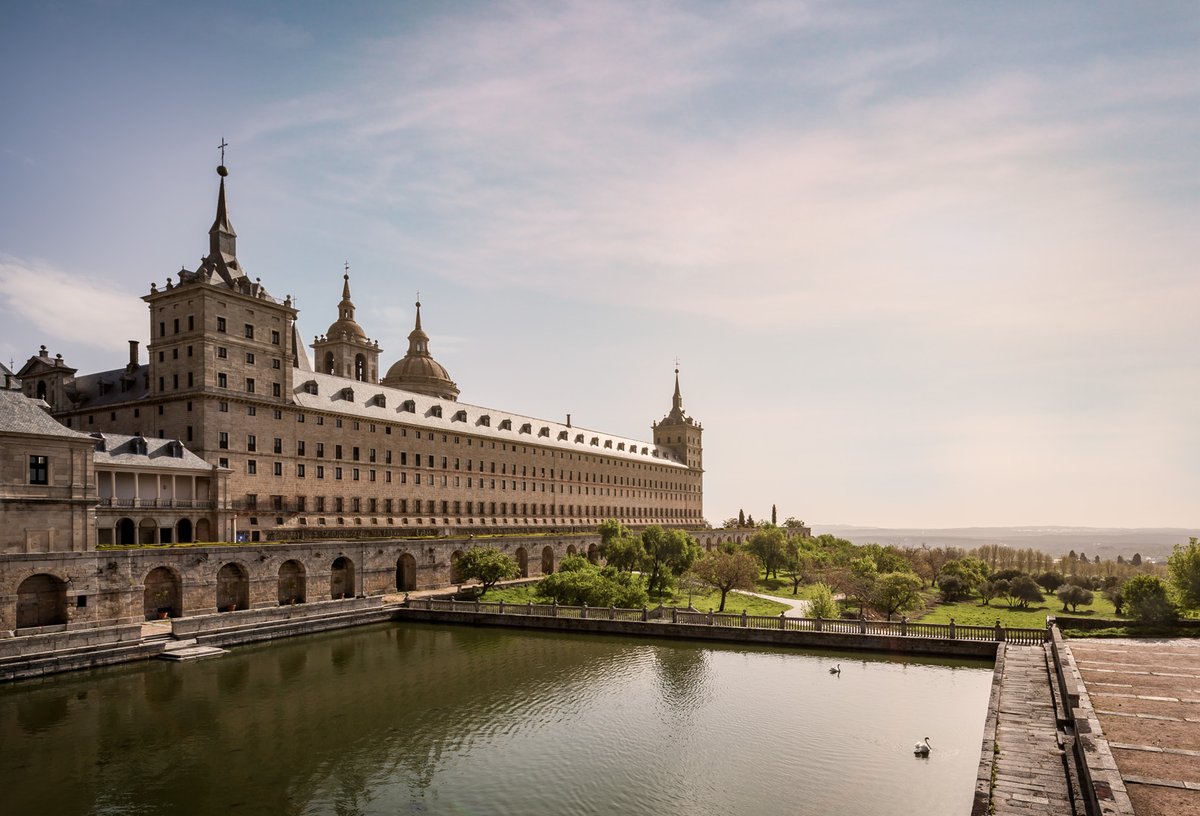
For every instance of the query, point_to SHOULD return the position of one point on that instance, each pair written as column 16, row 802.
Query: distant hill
column 1106, row 542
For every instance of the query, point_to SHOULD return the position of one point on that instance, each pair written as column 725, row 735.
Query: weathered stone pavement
column 1031, row 777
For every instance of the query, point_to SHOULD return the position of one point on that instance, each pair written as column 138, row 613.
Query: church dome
column 417, row 371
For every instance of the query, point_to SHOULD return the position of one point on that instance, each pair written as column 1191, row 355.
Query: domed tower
column 680, row 433
column 345, row 350
column 418, row 371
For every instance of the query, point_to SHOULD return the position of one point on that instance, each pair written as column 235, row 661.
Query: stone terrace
column 1146, row 694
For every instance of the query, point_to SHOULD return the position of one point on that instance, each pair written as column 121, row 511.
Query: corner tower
column 680, row 433
column 345, row 350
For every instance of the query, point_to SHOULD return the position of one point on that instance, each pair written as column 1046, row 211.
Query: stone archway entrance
column 203, row 530
column 547, row 560
column 233, row 588
column 162, row 594
column 341, row 578
column 523, row 561
column 126, row 531
column 41, row 601
column 148, row 532
column 183, row 531
column 292, row 584
column 406, row 573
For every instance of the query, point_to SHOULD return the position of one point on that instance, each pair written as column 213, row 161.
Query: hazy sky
column 924, row 264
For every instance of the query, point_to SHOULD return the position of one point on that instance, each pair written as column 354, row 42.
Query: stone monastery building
column 337, row 450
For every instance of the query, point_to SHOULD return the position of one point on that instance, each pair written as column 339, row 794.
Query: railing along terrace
column 692, row 617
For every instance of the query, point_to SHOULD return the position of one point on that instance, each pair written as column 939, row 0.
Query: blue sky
column 925, row 264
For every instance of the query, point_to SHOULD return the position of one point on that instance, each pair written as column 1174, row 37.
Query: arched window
column 360, row 368
column 328, row 367
column 41, row 389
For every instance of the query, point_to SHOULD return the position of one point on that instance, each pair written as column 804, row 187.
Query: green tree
column 1137, row 558
column 725, row 571
column 668, row 553
column 1147, row 599
column 488, row 566
column 896, row 592
column 1183, row 571
column 969, row 570
column 821, row 603
column 579, row 582
column 1073, row 595
column 773, row 517
column 767, row 545
column 1022, row 591
column 1051, row 581
column 619, row 548
column 741, row 518
column 953, row 588
column 800, row 560
column 994, row 588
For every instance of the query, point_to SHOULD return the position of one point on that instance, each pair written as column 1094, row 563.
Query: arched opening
column 233, row 588
column 126, row 531
column 523, row 561
column 360, row 368
column 41, row 601
column 41, row 389
column 148, row 532
column 571, row 549
column 547, row 560
column 293, row 588
column 163, row 594
column 203, row 530
column 183, row 531
column 341, row 578
column 406, row 573
column 328, row 369
column 456, row 576
column 593, row 554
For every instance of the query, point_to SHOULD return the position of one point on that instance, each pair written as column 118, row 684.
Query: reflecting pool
column 424, row 719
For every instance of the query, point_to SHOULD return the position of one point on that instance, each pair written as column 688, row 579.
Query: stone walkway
column 1030, row 775
column 799, row 606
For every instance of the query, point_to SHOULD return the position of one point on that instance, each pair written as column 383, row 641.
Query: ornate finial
column 346, row 268
column 677, row 364
column 221, row 171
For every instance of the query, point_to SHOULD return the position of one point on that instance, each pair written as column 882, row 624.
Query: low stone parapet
column 65, row 640
column 197, row 625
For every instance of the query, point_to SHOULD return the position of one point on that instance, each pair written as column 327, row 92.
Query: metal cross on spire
column 677, row 363
column 224, row 144
column 346, row 266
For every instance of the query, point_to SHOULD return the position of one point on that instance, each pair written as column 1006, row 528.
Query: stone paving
column 1146, row 694
column 1031, row 776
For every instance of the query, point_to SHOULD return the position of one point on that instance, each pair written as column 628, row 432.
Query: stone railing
column 781, row 622
column 174, row 504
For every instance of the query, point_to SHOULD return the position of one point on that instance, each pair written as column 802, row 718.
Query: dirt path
column 799, row 607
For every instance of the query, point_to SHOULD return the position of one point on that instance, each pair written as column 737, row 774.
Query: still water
column 419, row 719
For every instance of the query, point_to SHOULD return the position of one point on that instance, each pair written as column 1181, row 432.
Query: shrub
column 1050, row 581
column 822, row 604
column 1072, row 595
column 1146, row 597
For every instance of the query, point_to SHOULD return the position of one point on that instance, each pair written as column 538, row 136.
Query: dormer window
column 527, row 428
column 596, row 440
column 579, row 439
column 310, row 387
column 563, row 435
column 506, row 424
column 434, row 411
column 408, row 406
column 485, row 421
column 545, row 431
column 620, row 446
column 460, row 416
column 346, row 393
column 379, row 400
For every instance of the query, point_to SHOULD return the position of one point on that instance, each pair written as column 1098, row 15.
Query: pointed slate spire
column 677, row 414
column 418, row 340
column 222, row 241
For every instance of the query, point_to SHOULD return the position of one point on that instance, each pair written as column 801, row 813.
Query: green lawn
column 700, row 600
column 973, row 613
column 781, row 588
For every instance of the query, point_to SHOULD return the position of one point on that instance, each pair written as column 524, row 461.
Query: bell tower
column 345, row 350
column 679, row 433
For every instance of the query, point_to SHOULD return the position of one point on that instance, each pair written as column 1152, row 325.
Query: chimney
column 133, row 355
column 568, row 420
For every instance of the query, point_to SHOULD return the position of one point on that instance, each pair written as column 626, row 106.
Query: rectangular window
column 320, row 508
column 175, row 325
column 222, row 352
column 337, row 451
column 300, row 447
column 223, row 462
column 39, row 470
column 223, row 407
column 275, row 339
column 250, row 357
column 277, row 445
column 278, row 468
column 354, row 453
column 191, row 379
column 275, row 363
column 276, row 390
column 162, row 329
column 249, row 385
column 320, row 450
column 223, row 440
column 337, row 473
column 191, row 322
column 338, row 504
column 251, row 443
column 220, row 324
column 222, row 381
column 300, row 470
column 249, row 331
column 251, row 467
column 320, row 471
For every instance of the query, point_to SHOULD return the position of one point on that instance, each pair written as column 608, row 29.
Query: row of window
column 355, row 504
column 222, row 327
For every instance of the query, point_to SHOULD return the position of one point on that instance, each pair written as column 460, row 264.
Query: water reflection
column 419, row 719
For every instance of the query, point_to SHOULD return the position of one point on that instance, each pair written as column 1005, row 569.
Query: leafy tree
column 1006, row 574
column 725, row 571
column 1050, row 581
column 767, row 545
column 1021, row 592
column 887, row 559
column 579, row 582
column 488, row 565
column 729, row 522
column 800, row 560
column 1073, row 595
column 936, row 558
column 668, row 553
column 896, row 592
column 969, row 570
column 1117, row 599
column 792, row 523
column 822, row 604
column 1183, row 571
column 858, row 582
column 1136, row 560
column 619, row 548
column 749, row 521
column 953, row 588
column 1146, row 597
column 773, row 521
column 994, row 588
column 741, row 518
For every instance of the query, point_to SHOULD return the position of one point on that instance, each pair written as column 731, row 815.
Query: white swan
column 837, row 670
column 922, row 748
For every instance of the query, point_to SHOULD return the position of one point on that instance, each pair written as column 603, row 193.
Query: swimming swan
column 837, row 670
column 922, row 748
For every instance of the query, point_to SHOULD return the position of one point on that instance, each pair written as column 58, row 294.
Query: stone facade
column 47, row 481
column 336, row 449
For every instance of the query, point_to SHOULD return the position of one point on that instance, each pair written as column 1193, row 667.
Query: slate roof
column 331, row 397
column 87, row 388
column 23, row 415
column 119, row 451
